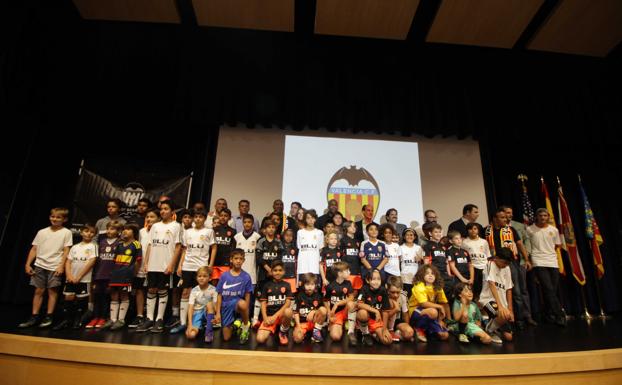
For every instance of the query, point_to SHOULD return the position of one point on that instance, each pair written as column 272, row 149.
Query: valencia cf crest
column 379, row 298
column 338, row 255
column 315, row 303
column 380, row 249
column 292, row 251
column 276, row 247
column 352, row 188
column 108, row 249
column 368, row 299
column 269, row 290
column 228, row 233
column 345, row 290
column 283, row 290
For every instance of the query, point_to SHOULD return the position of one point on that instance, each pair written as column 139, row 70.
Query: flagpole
column 603, row 316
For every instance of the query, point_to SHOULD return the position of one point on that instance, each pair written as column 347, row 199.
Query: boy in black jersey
column 328, row 256
column 269, row 249
column 225, row 244
column 309, row 310
column 275, row 306
column 290, row 258
column 374, row 305
column 339, row 300
column 459, row 260
column 435, row 253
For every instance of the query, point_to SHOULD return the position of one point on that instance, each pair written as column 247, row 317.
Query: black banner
column 93, row 191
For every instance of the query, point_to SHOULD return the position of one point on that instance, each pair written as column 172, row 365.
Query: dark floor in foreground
column 578, row 335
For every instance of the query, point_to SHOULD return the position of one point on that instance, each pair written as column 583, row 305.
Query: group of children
column 320, row 283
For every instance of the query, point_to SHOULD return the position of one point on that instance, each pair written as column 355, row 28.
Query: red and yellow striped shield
column 352, row 188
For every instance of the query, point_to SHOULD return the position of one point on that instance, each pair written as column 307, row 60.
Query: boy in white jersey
column 496, row 296
column 480, row 252
column 247, row 240
column 78, row 270
column 309, row 242
column 160, row 261
column 198, row 246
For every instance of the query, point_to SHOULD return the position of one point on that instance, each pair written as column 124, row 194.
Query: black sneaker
column 78, row 321
column 561, row 321
column 30, row 322
column 136, row 323
column 145, row 326
column 158, row 327
column 47, row 321
column 61, row 325
column 173, row 322
column 367, row 340
column 352, row 339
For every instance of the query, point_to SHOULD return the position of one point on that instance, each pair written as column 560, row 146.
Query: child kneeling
column 201, row 306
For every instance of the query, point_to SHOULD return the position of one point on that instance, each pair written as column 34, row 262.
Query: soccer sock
column 162, row 301
column 114, row 310
column 246, row 326
column 91, row 306
column 183, row 311
column 284, row 328
column 494, row 325
column 392, row 322
column 68, row 310
column 123, row 309
column 176, row 311
column 318, row 326
column 257, row 311
column 210, row 317
column 364, row 325
column 151, row 303
column 351, row 321
column 462, row 327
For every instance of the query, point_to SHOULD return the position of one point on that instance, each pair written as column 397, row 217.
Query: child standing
column 225, row 244
column 496, row 296
column 247, row 240
column 467, row 315
column 234, row 293
column 309, row 242
column 373, row 252
column 160, row 262
column 127, row 262
column 49, row 252
column 339, row 300
column 101, row 280
column 290, row 259
column 392, row 268
column 201, row 305
column 275, row 306
column 373, row 308
column 459, row 262
column 435, row 254
column 198, row 246
column 411, row 255
column 138, row 285
column 309, row 311
column 328, row 256
column 427, row 305
column 113, row 208
column 269, row 249
column 479, row 251
column 78, row 269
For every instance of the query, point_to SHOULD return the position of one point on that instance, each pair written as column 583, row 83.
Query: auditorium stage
column 579, row 353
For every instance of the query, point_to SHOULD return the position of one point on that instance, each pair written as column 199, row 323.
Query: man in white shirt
column 544, row 242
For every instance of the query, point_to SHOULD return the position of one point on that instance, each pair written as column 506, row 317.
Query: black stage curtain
column 149, row 93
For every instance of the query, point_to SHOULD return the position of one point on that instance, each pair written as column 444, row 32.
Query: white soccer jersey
column 248, row 245
column 197, row 244
column 163, row 237
column 309, row 243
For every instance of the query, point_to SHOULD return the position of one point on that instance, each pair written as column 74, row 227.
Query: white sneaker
column 496, row 339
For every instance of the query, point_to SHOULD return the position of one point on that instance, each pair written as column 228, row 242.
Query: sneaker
column 317, row 335
column 78, row 321
column 463, row 339
column 61, row 325
column 30, row 322
column 367, row 340
column 217, row 326
column 136, row 322
column 158, row 327
column 119, row 324
column 421, row 335
column 174, row 322
column 209, row 336
column 488, row 328
column 244, row 334
column 496, row 339
column 177, row 329
column 352, row 339
column 47, row 321
column 395, row 337
column 283, row 340
column 561, row 321
column 531, row 322
column 100, row 323
column 237, row 326
column 107, row 324
column 145, row 326
column 92, row 323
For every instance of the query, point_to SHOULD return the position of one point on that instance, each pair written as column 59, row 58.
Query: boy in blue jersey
column 234, row 293
column 373, row 253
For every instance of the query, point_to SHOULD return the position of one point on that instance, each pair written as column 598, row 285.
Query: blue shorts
column 198, row 319
column 429, row 325
column 227, row 312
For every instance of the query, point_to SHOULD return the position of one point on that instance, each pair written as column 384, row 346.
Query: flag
column 593, row 234
column 549, row 208
column 569, row 242
column 528, row 213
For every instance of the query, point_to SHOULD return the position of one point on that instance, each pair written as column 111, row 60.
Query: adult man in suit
column 470, row 213
column 368, row 217
column 391, row 217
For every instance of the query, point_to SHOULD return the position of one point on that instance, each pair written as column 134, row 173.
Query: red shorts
column 217, row 271
column 292, row 283
column 357, row 281
column 373, row 325
column 340, row 317
column 271, row 328
column 306, row 327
